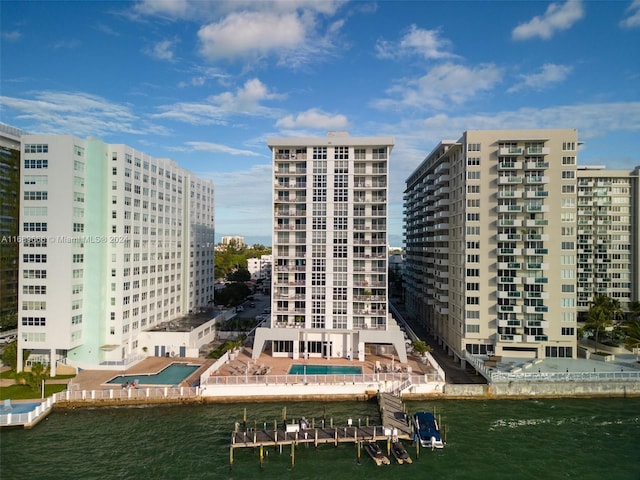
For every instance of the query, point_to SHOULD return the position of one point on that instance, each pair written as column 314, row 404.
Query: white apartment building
column 114, row 242
column 608, row 244
column 260, row 267
column 330, row 282
column 490, row 232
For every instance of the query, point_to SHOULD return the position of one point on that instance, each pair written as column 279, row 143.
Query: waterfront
column 510, row 439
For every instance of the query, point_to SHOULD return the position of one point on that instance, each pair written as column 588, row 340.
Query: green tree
column 421, row 347
column 9, row 320
column 232, row 294
column 10, row 355
column 603, row 313
column 239, row 275
column 35, row 376
column 631, row 327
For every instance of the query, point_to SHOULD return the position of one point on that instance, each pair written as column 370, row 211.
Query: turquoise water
column 492, row 439
column 16, row 408
column 297, row 369
column 171, row 375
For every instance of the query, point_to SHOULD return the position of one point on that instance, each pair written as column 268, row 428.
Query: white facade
column 260, row 268
column 329, row 286
column 110, row 240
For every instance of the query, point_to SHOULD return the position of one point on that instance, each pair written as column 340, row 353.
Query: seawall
column 526, row 389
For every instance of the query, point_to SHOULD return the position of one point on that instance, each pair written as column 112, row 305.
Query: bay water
column 486, row 439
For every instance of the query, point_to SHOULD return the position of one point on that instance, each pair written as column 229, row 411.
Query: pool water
column 171, row 375
column 17, row 408
column 297, row 369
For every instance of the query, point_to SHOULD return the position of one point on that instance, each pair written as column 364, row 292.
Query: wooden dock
column 394, row 424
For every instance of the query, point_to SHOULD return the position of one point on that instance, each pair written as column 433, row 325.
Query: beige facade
column 490, row 225
column 329, row 282
column 607, row 236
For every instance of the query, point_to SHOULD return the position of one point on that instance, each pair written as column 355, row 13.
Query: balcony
column 536, row 251
column 509, row 166
column 506, row 151
column 509, row 309
column 509, row 251
column 536, row 280
column 536, row 338
column 536, row 165
column 537, row 324
column 509, row 194
column 509, row 222
column 538, row 236
column 536, row 309
column 509, row 294
column 510, row 280
column 509, row 180
column 537, row 194
column 511, row 338
column 509, row 265
column 536, row 295
column 538, row 150
column 503, row 237
column 536, row 223
column 510, row 323
column 537, row 208
column 536, row 180
column 509, row 208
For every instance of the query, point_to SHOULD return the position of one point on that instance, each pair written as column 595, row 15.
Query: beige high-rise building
column 330, row 260
column 490, row 229
column 607, row 236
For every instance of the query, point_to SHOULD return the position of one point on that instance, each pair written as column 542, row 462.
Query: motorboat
column 401, row 454
column 426, row 427
column 373, row 449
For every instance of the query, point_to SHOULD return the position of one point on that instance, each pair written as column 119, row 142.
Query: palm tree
column 604, row 311
column 632, row 328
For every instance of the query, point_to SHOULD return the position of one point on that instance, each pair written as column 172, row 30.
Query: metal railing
column 374, row 378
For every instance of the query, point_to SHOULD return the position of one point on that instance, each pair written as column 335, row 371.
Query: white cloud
column 417, row 41
column 444, row 84
column 163, row 50
column 248, row 34
column 217, row 108
column 314, row 118
column 12, row 36
column 633, row 20
column 66, row 44
column 76, row 113
column 219, row 148
column 556, row 18
column 548, row 75
column 163, row 8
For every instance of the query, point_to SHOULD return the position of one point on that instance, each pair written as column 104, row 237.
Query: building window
column 473, row 147
column 473, row 328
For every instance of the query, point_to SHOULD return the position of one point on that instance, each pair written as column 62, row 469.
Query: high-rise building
column 608, row 244
column 114, row 242
column 9, row 217
column 490, row 229
column 330, row 250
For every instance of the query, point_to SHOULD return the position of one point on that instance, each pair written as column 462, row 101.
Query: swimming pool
column 298, row 369
column 170, row 375
column 17, row 408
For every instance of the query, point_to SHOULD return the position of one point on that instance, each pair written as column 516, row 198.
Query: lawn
column 24, row 392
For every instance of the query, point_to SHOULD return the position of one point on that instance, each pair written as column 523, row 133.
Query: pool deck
column 97, row 379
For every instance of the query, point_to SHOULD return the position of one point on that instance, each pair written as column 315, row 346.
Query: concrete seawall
column 543, row 389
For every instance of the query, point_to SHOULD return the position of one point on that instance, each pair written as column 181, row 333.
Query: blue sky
column 205, row 83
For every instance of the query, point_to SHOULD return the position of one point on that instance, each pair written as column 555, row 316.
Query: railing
column 28, row 418
column 258, row 380
column 125, row 394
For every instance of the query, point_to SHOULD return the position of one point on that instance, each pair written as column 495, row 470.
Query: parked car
column 252, row 305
